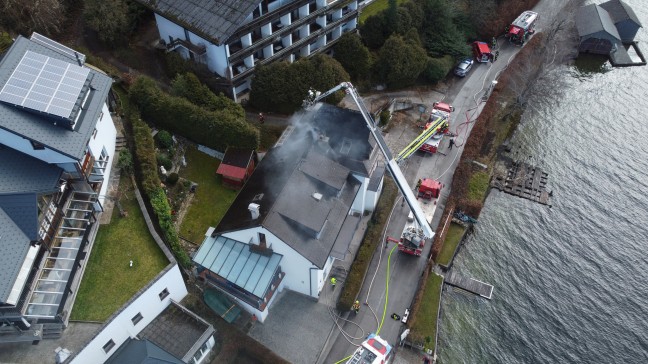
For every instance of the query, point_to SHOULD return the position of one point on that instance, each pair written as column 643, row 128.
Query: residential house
column 232, row 37
column 624, row 18
column 152, row 327
column 57, row 140
column 237, row 166
column 297, row 213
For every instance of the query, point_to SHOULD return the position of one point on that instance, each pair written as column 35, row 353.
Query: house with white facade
column 152, row 327
column 57, row 140
column 297, row 213
column 232, row 37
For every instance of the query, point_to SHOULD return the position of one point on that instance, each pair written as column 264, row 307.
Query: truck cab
column 522, row 27
column 481, row 52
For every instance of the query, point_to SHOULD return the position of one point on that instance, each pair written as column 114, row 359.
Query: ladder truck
column 422, row 225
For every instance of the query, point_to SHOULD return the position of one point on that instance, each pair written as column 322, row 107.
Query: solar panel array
column 45, row 84
column 58, row 47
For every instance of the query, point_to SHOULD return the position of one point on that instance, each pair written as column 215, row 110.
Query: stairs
column 120, row 143
column 52, row 331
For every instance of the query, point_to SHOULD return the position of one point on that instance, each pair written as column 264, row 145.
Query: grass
column 108, row 281
column 477, row 186
column 211, row 200
column 374, row 8
column 425, row 322
column 452, row 239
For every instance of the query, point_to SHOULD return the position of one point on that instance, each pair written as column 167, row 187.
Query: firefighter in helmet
column 356, row 306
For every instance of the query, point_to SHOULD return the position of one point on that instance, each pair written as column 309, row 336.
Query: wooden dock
column 521, row 179
column 469, row 285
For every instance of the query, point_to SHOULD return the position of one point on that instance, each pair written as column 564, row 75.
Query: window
column 100, row 116
column 164, row 294
column 109, row 345
column 37, row 145
column 94, row 134
column 137, row 318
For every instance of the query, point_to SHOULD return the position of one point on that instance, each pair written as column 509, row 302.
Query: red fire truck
column 482, row 52
column 522, row 27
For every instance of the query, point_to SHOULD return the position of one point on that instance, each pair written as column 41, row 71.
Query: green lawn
column 477, row 186
column 211, row 200
column 374, row 8
column 425, row 321
column 453, row 237
column 108, row 281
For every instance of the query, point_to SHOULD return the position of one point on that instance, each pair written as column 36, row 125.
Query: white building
column 297, row 213
column 232, row 37
column 57, row 139
column 151, row 327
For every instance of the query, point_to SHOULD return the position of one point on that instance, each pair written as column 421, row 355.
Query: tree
column 27, row 16
column 373, row 31
column 401, row 62
column 190, row 87
column 441, row 35
column 437, row 68
column 109, row 18
column 353, row 56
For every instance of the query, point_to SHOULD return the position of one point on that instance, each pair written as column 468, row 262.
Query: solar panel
column 57, row 47
column 45, row 84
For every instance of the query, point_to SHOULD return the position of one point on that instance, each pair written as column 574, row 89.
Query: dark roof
column 134, row 351
column 376, row 177
column 620, row 11
column 335, row 141
column 23, row 210
column 215, row 20
column 14, row 245
column 591, row 19
column 21, row 173
column 40, row 128
column 237, row 157
column 177, row 331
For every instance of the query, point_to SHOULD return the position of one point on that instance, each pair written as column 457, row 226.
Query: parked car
column 463, row 67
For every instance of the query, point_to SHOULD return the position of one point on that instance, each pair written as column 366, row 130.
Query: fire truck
column 374, row 350
column 522, row 27
column 433, row 131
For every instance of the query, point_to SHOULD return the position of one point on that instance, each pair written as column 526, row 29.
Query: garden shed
column 237, row 166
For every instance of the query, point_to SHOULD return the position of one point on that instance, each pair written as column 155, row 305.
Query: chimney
column 254, row 210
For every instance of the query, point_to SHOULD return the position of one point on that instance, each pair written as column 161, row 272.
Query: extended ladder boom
column 392, row 165
column 421, row 139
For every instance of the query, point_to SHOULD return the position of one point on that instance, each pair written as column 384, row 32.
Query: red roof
column 231, row 171
column 483, row 47
column 513, row 30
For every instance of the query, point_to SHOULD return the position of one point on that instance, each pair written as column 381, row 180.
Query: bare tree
column 27, row 16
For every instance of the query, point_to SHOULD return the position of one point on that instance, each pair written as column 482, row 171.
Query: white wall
column 121, row 327
column 371, row 197
column 23, row 145
column 296, row 267
column 105, row 138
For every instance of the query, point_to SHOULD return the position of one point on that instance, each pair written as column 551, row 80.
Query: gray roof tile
column 591, row 19
column 14, row 245
column 215, row 20
column 41, row 129
column 20, row 173
column 135, row 351
column 620, row 11
column 23, row 210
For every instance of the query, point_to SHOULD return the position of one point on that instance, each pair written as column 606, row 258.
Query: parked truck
column 434, row 129
column 522, row 27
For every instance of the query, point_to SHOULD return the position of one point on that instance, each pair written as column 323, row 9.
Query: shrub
column 125, row 161
column 173, row 178
column 385, row 116
column 175, row 64
column 164, row 161
column 189, row 87
column 215, row 129
column 400, row 62
column 437, row 68
column 164, row 139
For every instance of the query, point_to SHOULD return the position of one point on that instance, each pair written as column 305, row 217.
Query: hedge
column 215, row 129
column 146, row 159
column 190, row 87
column 371, row 240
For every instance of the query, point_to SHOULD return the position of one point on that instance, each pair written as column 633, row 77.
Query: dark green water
column 571, row 282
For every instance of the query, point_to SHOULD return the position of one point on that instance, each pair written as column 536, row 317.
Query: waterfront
column 569, row 280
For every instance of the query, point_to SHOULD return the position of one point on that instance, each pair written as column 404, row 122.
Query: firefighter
column 333, row 282
column 261, row 118
column 418, row 184
column 496, row 55
column 451, row 143
column 356, row 306
column 494, row 42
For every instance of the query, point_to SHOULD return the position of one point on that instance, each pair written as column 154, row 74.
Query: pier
column 521, row 179
column 469, row 285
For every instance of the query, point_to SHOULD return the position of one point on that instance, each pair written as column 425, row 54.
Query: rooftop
column 14, row 245
column 318, row 157
column 33, row 123
column 213, row 19
column 591, row 19
column 620, row 11
column 136, row 351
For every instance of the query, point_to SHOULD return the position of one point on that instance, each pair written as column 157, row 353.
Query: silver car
column 463, row 67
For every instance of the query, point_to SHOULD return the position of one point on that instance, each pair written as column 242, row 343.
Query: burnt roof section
column 14, row 245
column 319, row 167
column 237, row 157
column 592, row 19
column 40, row 128
column 620, row 11
column 215, row 20
column 178, row 331
column 136, row 351
column 278, row 182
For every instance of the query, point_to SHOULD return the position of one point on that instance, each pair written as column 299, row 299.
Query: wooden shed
column 237, row 166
